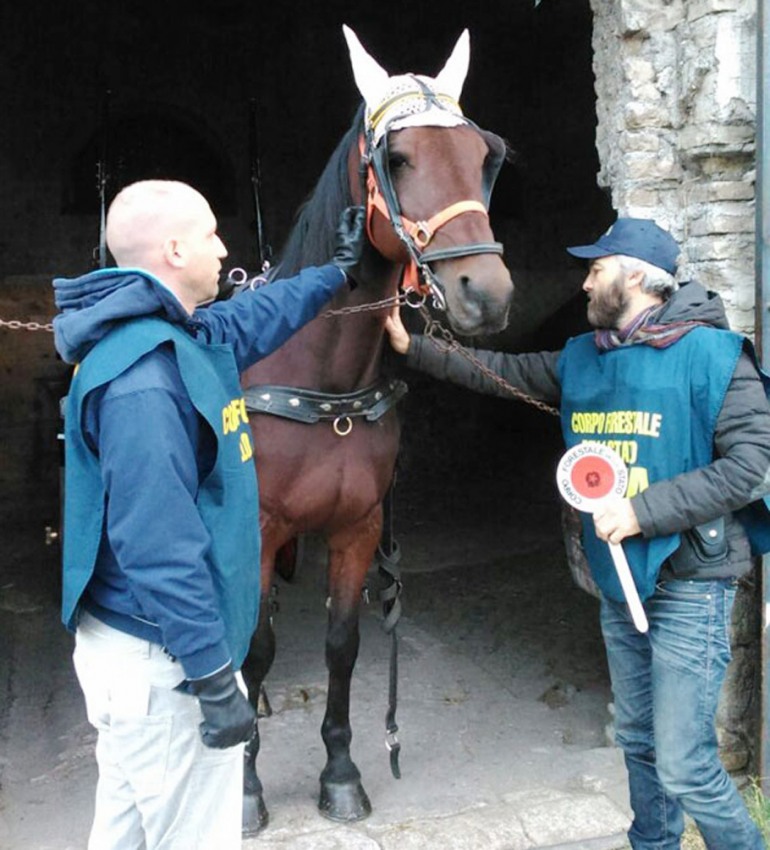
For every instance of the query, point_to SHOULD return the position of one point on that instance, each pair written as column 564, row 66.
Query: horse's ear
column 452, row 76
column 371, row 79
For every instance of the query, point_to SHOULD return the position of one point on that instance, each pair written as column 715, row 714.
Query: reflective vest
column 227, row 499
column 658, row 409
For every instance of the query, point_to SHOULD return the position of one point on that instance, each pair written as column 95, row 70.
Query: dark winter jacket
column 152, row 577
column 740, row 472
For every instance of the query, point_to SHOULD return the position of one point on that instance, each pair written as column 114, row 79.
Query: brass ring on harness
column 338, row 428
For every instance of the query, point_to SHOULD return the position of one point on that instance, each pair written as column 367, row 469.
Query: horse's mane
column 312, row 239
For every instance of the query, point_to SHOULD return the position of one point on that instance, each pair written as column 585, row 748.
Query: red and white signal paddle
column 587, row 475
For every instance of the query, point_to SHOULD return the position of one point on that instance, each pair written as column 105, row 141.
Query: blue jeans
column 665, row 685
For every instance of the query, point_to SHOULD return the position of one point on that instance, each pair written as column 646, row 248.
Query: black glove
column 351, row 232
column 228, row 715
column 226, row 288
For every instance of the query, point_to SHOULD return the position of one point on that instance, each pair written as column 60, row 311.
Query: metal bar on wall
column 102, row 176
column 762, row 338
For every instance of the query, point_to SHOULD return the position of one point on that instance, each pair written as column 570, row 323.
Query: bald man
column 161, row 537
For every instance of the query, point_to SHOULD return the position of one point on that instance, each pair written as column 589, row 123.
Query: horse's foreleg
column 342, row 795
column 255, row 668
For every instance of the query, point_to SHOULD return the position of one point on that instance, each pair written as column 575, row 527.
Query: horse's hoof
column 344, row 801
column 255, row 815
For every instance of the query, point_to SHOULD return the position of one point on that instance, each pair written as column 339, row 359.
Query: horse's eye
column 396, row 161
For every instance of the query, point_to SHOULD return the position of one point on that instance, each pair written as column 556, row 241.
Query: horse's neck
column 338, row 353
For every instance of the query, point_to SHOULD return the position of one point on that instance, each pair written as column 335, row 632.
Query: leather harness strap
column 417, row 235
column 311, row 406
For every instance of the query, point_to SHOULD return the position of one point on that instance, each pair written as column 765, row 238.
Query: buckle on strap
column 422, row 234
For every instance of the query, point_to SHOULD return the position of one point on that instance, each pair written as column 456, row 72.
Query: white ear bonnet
column 409, row 100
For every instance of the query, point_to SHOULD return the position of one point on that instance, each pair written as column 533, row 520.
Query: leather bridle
column 416, row 236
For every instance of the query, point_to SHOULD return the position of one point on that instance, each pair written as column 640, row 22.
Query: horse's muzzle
column 479, row 292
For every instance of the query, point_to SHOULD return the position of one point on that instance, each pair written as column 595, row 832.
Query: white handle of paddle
column 629, row 588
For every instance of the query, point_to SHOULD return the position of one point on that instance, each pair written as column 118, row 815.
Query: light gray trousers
column 159, row 788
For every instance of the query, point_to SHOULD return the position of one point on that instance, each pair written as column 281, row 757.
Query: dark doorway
column 182, row 79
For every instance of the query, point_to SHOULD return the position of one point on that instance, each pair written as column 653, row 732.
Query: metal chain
column 16, row 325
column 372, row 306
column 433, row 328
column 401, row 298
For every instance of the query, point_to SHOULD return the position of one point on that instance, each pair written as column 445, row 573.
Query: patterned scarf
column 643, row 330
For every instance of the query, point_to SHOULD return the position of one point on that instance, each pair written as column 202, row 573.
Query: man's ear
column 634, row 278
column 175, row 253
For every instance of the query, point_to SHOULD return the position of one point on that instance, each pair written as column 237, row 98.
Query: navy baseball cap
column 634, row 237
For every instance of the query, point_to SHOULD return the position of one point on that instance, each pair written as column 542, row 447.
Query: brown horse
column 325, row 428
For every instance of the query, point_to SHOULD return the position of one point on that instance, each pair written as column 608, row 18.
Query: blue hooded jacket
column 152, row 572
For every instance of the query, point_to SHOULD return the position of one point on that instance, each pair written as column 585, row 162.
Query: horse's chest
column 311, row 469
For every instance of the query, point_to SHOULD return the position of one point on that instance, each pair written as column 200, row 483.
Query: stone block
column 639, row 141
column 645, row 166
column 641, row 202
column 668, row 73
column 642, row 115
column 723, row 218
column 639, row 70
column 716, row 138
column 647, row 16
column 706, row 246
column 734, row 284
column 733, row 166
column 745, row 292
column 645, row 91
column 735, row 53
column 719, row 190
column 742, row 323
column 696, row 9
column 583, row 816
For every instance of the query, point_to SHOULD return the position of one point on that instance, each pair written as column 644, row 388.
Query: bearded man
column 663, row 376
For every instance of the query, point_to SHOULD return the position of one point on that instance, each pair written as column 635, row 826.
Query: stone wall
column 676, row 109
column 676, row 106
